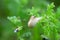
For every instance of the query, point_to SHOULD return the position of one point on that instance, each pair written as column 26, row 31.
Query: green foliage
column 46, row 26
column 18, row 15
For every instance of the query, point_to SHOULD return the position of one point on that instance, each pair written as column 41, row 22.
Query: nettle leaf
column 34, row 11
column 50, row 9
column 15, row 20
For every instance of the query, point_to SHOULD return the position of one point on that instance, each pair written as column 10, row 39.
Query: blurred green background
column 18, row 8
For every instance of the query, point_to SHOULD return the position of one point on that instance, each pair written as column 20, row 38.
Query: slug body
column 33, row 20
